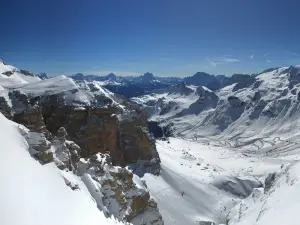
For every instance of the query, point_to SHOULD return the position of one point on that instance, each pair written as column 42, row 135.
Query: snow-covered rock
column 31, row 193
column 118, row 191
column 266, row 102
column 96, row 119
column 65, row 123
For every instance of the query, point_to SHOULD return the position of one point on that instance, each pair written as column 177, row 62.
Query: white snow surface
column 204, row 181
column 265, row 109
column 215, row 168
column 213, row 171
column 16, row 79
column 32, row 194
column 79, row 94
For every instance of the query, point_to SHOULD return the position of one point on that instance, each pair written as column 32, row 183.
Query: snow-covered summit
column 11, row 77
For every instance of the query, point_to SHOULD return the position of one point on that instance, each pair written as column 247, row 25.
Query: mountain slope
column 203, row 180
column 269, row 104
column 10, row 76
column 31, row 193
column 235, row 157
column 87, row 135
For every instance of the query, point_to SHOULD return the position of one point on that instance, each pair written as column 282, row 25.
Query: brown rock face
column 135, row 141
column 100, row 127
column 124, row 196
column 100, row 130
column 31, row 118
column 94, row 130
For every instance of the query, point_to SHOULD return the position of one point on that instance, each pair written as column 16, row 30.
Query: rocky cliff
column 95, row 119
column 89, row 132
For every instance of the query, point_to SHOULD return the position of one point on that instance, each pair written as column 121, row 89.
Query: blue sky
column 166, row 37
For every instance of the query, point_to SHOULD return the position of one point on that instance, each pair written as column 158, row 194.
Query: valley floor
column 203, row 180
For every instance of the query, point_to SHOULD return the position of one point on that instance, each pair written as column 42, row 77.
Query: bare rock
column 123, row 194
column 5, row 108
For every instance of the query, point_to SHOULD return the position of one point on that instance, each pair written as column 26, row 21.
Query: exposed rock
column 27, row 73
column 256, row 96
column 123, row 194
column 257, row 109
column 44, row 157
column 5, row 108
column 43, row 76
column 66, row 153
column 206, row 223
column 165, row 107
column 19, row 99
column 147, row 77
column 269, row 70
column 98, row 125
column 61, row 134
column 39, row 146
column 8, row 73
column 91, row 123
column 269, row 181
column 180, row 88
column 205, row 79
column 241, row 80
column 235, row 102
column 135, row 141
column 102, row 130
column 31, row 117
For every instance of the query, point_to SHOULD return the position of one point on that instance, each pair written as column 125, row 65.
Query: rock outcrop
column 123, row 194
column 116, row 190
column 90, row 134
column 5, row 108
column 106, row 123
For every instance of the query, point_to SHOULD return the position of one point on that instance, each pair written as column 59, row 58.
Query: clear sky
column 166, row 37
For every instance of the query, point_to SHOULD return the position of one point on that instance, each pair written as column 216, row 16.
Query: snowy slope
column 227, row 144
column 14, row 76
column 77, row 94
column 213, row 180
column 277, row 206
column 268, row 107
column 234, row 159
column 35, row 194
column 166, row 103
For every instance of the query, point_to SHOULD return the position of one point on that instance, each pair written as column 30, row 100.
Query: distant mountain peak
column 111, row 76
column 147, row 77
column 198, row 74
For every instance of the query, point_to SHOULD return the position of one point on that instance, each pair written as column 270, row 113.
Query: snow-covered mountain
column 10, row 76
column 133, row 86
column 71, row 145
column 232, row 157
column 263, row 104
column 35, row 194
column 235, row 156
